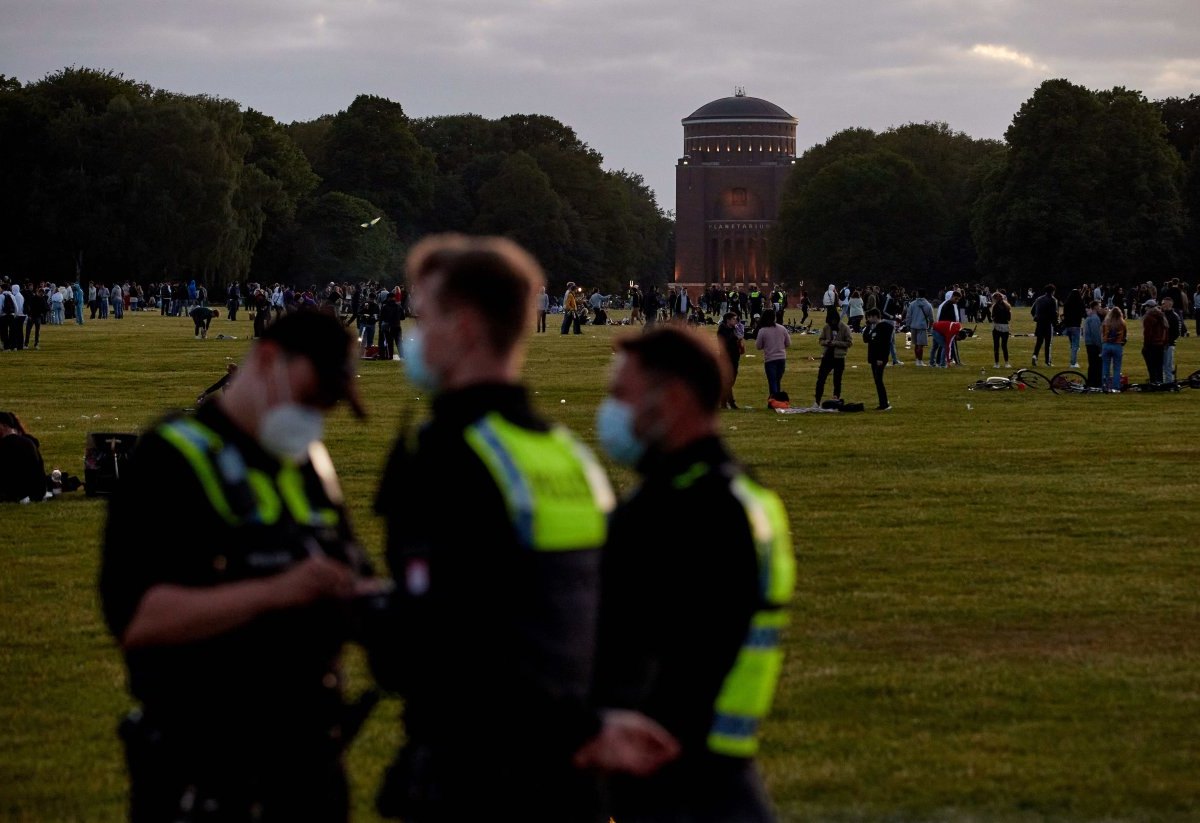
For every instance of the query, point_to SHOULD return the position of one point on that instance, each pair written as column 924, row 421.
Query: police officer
column 232, row 627
column 693, row 601
column 495, row 524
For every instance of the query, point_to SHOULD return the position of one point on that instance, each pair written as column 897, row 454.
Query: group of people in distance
column 562, row 657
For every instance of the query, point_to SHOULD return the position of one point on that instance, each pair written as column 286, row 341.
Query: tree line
column 1087, row 186
column 103, row 177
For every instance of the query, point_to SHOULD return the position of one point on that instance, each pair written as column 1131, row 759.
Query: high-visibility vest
column 240, row 494
column 557, row 494
column 749, row 687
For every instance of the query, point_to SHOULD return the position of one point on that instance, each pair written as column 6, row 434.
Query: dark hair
column 1049, row 288
column 493, row 275
column 874, row 313
column 729, row 315
column 767, row 319
column 11, row 420
column 832, row 318
column 685, row 356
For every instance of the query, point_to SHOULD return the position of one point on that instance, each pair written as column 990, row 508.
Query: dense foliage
column 1088, row 185
column 104, row 177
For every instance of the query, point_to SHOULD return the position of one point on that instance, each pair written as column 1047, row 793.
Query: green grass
column 995, row 617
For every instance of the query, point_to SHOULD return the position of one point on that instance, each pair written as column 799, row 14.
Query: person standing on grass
column 732, row 346
column 1045, row 314
column 493, row 641
column 1175, row 327
column 543, row 307
column 878, row 337
column 1114, row 333
column 835, row 340
column 773, row 341
column 232, row 638
column 1155, row 333
column 919, row 319
column 1072, row 319
column 1093, row 343
column 1001, row 318
column 36, row 306
column 691, row 608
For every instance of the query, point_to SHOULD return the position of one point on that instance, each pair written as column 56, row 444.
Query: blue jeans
column 1111, row 355
column 774, row 369
column 1169, row 364
column 367, row 330
column 1073, row 335
column 937, row 356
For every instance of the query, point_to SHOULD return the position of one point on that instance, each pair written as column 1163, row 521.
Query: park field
column 996, row 613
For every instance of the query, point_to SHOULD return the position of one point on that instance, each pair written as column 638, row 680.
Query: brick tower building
column 737, row 152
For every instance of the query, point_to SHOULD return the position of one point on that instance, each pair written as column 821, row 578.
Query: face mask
column 287, row 430
column 614, row 427
column 416, row 366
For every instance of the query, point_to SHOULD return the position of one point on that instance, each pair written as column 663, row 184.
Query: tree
column 333, row 245
column 946, row 166
column 866, row 218
column 373, row 154
column 1087, row 188
column 520, row 203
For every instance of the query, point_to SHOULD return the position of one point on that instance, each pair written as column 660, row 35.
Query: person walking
column 692, row 607
column 1045, row 315
column 855, row 311
column 878, row 337
column 1001, row 320
column 232, row 638
column 1114, row 333
column 835, row 341
column 36, row 307
column 571, row 310
column 505, row 724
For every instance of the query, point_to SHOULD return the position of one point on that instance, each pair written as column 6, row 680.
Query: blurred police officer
column 697, row 573
column 232, row 627
column 495, row 524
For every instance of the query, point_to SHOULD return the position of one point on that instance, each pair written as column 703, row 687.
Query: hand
column 628, row 742
column 314, row 578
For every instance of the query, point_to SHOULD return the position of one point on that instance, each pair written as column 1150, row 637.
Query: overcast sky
column 622, row 73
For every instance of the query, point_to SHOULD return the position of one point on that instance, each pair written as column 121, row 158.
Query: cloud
column 622, row 72
column 1003, row 54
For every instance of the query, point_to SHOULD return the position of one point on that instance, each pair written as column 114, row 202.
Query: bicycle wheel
column 1069, row 382
column 991, row 384
column 1032, row 379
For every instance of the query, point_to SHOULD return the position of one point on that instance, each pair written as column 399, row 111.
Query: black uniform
column 493, row 646
column 253, row 716
column 679, row 594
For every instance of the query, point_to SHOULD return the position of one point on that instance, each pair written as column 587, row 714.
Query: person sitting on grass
column 22, row 472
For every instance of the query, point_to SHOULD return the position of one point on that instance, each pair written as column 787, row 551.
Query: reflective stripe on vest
column 557, row 494
column 220, row 469
column 749, row 687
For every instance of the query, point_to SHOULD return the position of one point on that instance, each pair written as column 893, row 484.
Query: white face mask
column 287, row 429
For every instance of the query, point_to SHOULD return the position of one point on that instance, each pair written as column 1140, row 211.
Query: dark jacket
column 1045, row 310
column 878, row 338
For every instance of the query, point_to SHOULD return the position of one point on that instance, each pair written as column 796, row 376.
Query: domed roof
column 740, row 107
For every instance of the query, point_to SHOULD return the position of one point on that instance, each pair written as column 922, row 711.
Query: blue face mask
column 614, row 428
column 416, row 366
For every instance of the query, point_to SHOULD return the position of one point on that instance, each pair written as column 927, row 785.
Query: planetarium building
column 737, row 152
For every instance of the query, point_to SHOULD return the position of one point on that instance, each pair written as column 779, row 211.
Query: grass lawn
column 996, row 615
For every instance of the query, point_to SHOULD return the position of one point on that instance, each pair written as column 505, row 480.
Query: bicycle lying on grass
column 1020, row 380
column 1073, row 382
